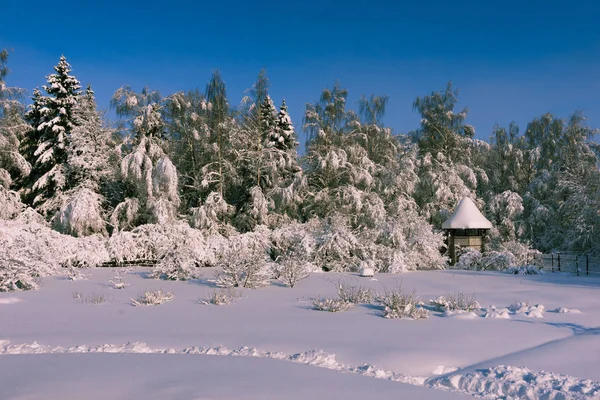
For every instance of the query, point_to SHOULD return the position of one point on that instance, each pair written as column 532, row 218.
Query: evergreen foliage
column 229, row 180
column 52, row 119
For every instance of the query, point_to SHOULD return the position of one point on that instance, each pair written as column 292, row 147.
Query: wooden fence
column 578, row 264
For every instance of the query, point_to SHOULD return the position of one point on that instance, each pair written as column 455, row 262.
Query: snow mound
column 505, row 382
column 493, row 312
column 535, row 311
column 564, row 310
column 317, row 358
column 9, row 300
column 460, row 314
column 442, row 370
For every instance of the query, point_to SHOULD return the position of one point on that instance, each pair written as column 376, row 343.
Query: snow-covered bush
column 397, row 303
column 211, row 216
column 469, row 258
column 290, row 271
column 495, row 260
column 506, row 255
column 242, row 265
column 75, row 274
column 409, row 243
column 457, row 301
column 521, row 253
column 525, row 270
column 221, row 297
column 338, row 249
column 353, row 293
column 117, row 281
column 295, row 241
column 16, row 275
column 35, row 250
column 331, row 305
column 153, row 241
column 241, row 273
column 152, row 298
column 178, row 264
column 10, row 204
column 80, row 214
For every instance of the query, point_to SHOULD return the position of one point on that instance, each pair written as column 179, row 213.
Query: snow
column 467, row 216
column 144, row 376
column 272, row 329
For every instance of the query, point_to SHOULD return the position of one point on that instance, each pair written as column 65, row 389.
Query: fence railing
column 578, row 264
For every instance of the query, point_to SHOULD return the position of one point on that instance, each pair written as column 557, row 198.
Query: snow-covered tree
column 149, row 172
column 53, row 119
column 441, row 128
column 89, row 172
column 12, row 129
column 90, row 149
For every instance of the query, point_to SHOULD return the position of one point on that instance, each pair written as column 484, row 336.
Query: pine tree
column 53, row 119
column 284, row 136
column 89, row 150
column 12, row 129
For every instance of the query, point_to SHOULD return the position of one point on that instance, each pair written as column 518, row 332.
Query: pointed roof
column 467, row 216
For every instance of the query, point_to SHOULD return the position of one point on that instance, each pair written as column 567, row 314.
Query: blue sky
column 513, row 60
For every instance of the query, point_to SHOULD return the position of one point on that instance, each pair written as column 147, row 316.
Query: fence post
column 552, row 262
column 587, row 264
column 558, row 256
column 577, row 264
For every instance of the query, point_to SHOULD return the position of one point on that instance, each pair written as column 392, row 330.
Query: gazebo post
column 451, row 246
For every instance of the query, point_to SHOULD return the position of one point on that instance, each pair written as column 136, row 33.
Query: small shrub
column 291, row 271
column 331, row 305
column 75, row 274
column 495, row 260
column 177, row 264
column 75, row 262
column 398, row 304
column 94, row 298
column 525, row 270
column 152, row 298
column 356, row 294
column 469, row 258
column 117, row 281
column 221, row 297
column 455, row 302
column 242, row 266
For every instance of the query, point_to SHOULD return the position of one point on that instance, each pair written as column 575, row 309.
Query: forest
column 222, row 173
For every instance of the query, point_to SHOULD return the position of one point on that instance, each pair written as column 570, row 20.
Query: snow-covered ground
column 271, row 330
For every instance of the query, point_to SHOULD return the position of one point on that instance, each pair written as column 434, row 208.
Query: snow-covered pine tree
column 53, row 120
column 90, row 148
column 88, row 171
column 284, row 136
column 12, row 129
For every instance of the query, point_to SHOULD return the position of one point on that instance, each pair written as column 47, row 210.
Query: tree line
column 375, row 194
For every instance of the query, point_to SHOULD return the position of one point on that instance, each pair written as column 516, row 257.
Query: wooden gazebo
column 466, row 228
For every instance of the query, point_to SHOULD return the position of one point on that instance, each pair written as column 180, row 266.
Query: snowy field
column 271, row 344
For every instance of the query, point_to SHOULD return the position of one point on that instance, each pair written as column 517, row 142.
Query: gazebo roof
column 467, row 216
